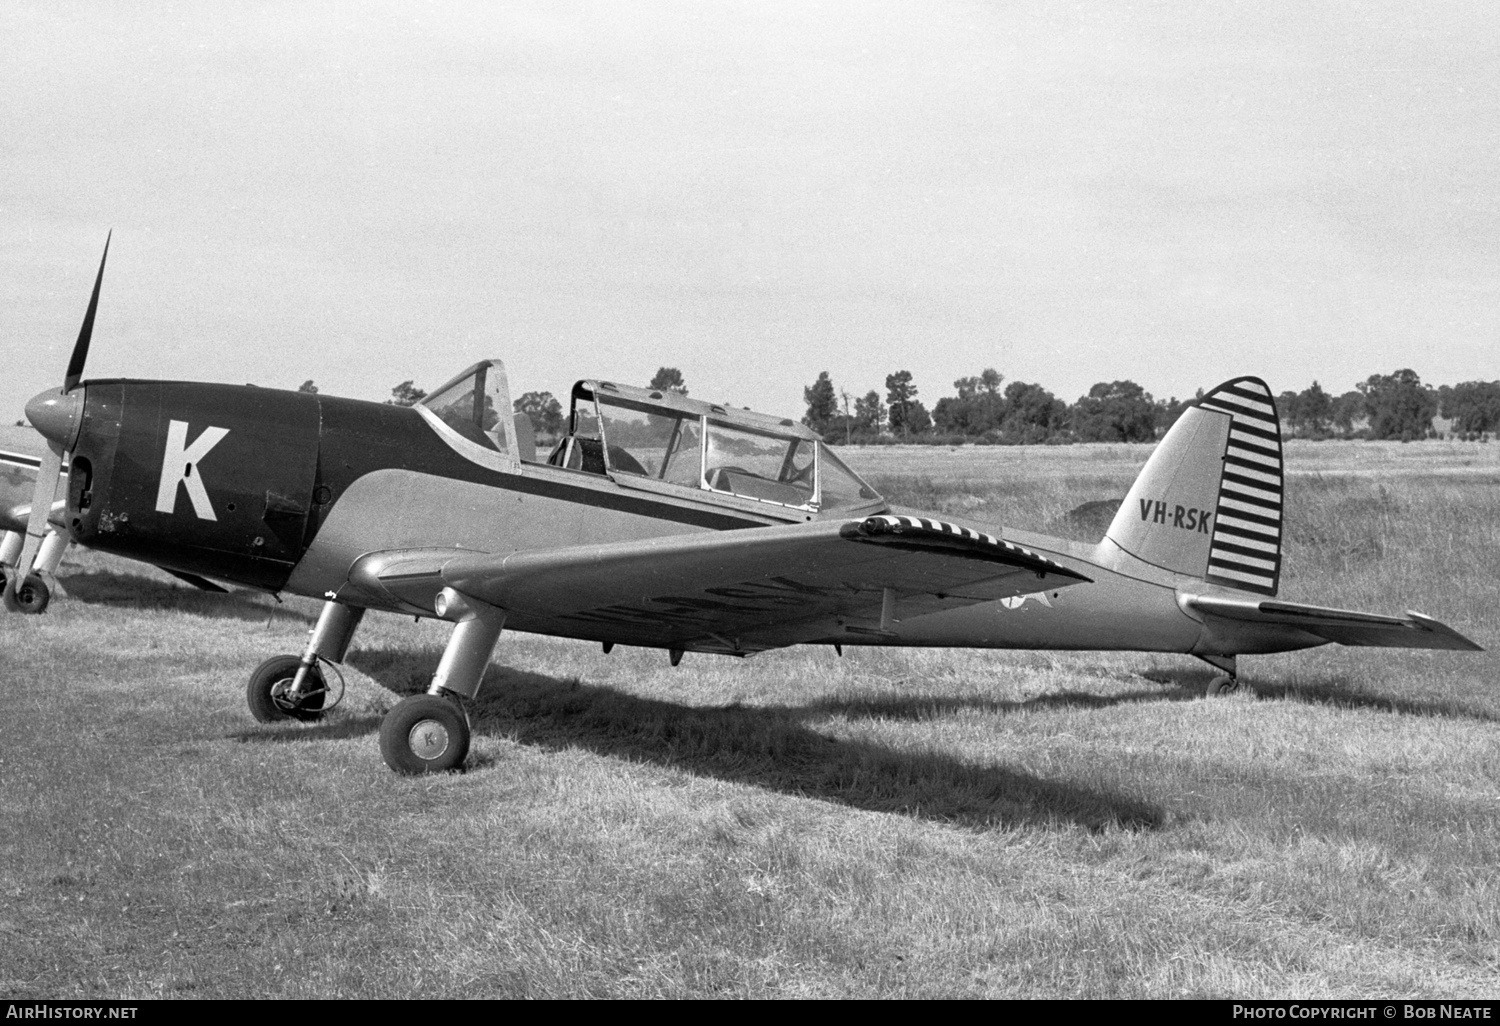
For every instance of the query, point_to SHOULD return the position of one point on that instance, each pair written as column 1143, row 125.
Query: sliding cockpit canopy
column 665, row 437
column 647, row 438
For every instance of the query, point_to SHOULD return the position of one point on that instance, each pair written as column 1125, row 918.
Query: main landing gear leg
column 430, row 733
column 289, row 687
column 1226, row 683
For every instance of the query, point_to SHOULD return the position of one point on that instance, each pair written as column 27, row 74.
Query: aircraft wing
column 731, row 591
column 15, row 518
column 17, row 489
column 1342, row 626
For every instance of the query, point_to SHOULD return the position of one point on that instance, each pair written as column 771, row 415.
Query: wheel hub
column 281, row 694
column 428, row 739
column 285, row 698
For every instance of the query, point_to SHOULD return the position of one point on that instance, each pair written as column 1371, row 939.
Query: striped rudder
column 1246, row 550
column 1208, row 502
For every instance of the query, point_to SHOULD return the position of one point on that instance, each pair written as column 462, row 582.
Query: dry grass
column 905, row 823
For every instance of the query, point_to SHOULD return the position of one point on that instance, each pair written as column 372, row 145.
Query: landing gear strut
column 292, row 687
column 272, row 695
column 1223, row 684
column 1227, row 682
column 430, row 733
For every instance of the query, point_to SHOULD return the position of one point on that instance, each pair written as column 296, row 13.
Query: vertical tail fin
column 1208, row 502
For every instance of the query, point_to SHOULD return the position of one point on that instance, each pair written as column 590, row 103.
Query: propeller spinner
column 57, row 415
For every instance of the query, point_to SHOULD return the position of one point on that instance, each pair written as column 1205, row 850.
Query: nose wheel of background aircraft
column 424, row 734
column 1223, row 685
column 32, row 594
column 269, row 692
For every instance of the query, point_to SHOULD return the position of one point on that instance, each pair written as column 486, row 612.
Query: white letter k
column 180, row 459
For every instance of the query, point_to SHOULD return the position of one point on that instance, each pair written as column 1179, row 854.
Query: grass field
column 904, row 823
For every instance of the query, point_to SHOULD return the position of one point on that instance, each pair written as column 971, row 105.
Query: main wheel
column 1222, row 685
column 269, row 691
column 32, row 594
column 424, row 734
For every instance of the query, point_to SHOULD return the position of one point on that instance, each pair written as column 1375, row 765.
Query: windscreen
column 471, row 405
column 839, row 486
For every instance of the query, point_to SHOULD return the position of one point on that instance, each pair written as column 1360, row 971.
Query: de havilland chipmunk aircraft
column 657, row 521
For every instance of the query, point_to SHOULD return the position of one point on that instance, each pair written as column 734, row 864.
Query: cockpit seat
column 525, row 436
column 585, row 454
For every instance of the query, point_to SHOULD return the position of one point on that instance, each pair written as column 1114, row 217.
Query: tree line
column 1383, row 406
column 985, row 409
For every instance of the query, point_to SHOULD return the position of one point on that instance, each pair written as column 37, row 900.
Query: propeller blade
column 81, row 347
column 36, row 526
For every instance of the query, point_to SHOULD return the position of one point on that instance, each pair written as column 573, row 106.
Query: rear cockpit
column 658, row 441
column 644, row 436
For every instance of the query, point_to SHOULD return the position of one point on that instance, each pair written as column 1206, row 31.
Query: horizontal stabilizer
column 1341, row 626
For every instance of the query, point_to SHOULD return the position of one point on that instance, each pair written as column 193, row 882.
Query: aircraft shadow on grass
column 916, row 707
column 105, row 588
column 764, row 746
column 1329, row 692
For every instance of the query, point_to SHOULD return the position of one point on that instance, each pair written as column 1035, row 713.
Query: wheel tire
column 32, row 594
column 266, row 692
column 424, row 734
column 1222, row 685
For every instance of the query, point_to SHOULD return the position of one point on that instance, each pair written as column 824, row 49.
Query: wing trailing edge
column 1341, row 626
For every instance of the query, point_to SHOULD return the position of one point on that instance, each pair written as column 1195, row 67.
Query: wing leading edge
column 736, row 591
column 1342, row 626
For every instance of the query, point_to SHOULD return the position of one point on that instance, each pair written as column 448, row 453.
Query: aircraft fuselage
column 285, row 491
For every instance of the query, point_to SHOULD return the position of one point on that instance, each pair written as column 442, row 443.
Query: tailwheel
column 269, row 692
column 32, row 594
column 1223, row 684
column 424, row 734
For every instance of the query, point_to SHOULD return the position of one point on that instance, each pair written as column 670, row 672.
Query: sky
column 364, row 193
